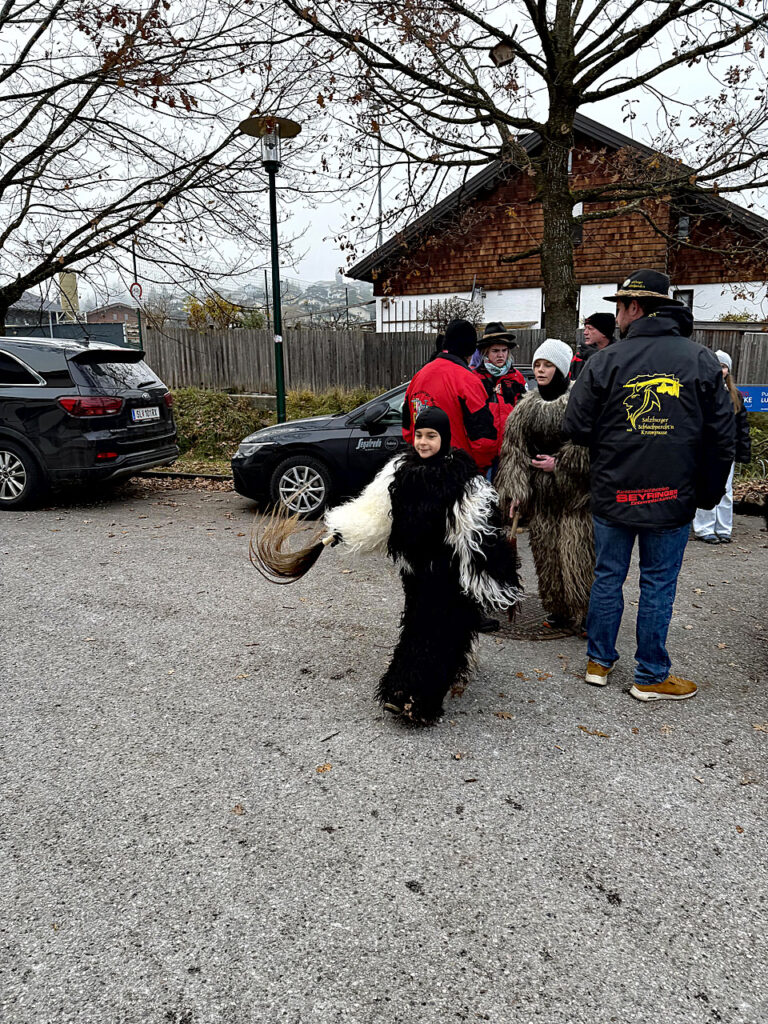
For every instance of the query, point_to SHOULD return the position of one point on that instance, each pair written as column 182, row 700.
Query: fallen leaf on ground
column 665, row 730
column 503, row 714
column 696, row 777
column 242, row 675
column 635, row 730
column 687, row 627
column 323, row 768
column 594, row 732
column 238, row 809
column 760, row 726
column 721, row 647
column 521, row 675
column 739, row 829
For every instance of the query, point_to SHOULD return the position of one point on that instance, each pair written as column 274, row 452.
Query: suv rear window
column 12, row 372
column 116, row 374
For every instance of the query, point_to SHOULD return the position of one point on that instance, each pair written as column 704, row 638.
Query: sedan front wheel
column 301, row 484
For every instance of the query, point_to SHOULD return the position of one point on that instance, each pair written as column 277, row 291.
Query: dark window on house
column 13, row 373
column 577, row 233
column 684, row 295
column 683, row 226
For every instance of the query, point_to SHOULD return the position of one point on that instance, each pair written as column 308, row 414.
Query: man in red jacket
column 447, row 382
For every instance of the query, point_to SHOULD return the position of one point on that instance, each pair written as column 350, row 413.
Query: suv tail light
column 168, row 399
column 91, row 406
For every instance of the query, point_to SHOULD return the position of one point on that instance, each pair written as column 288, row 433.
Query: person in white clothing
column 715, row 525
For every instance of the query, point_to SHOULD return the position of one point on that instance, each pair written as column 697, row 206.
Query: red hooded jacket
column 447, row 382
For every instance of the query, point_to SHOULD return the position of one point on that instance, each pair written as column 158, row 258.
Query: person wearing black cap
column 503, row 384
column 438, row 519
column 598, row 334
column 661, row 435
column 447, row 382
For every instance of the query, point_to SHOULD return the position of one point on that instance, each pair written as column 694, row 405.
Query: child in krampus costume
column 546, row 478
column 438, row 519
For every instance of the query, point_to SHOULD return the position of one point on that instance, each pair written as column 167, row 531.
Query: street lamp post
column 271, row 130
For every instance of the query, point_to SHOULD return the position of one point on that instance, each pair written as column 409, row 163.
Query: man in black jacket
column 660, row 429
column 598, row 334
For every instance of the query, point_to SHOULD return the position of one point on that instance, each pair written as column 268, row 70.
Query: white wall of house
column 711, row 301
column 514, row 305
column 592, row 300
column 403, row 312
column 520, row 306
column 523, row 305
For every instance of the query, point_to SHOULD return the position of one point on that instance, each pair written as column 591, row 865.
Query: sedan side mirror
column 374, row 414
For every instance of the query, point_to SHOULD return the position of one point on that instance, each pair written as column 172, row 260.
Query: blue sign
column 755, row 397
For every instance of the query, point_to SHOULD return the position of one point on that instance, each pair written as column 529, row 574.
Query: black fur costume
column 440, row 523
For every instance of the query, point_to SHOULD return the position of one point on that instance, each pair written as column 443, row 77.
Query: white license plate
column 152, row 413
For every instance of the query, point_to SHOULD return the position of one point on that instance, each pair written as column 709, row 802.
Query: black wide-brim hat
column 645, row 284
column 496, row 334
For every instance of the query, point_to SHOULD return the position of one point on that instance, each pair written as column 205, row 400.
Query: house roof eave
column 491, row 174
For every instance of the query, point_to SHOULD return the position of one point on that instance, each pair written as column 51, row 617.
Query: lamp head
column 271, row 130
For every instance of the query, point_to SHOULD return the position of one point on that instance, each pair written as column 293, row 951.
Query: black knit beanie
column 603, row 322
column 460, row 338
column 433, row 418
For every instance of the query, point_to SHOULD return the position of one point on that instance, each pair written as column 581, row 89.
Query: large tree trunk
column 561, row 293
column 9, row 294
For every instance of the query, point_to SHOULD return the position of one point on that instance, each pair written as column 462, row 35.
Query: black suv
column 73, row 413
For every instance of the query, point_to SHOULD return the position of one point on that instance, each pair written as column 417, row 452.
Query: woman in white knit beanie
column 546, row 479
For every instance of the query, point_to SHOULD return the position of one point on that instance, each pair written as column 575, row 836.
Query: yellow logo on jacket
column 643, row 399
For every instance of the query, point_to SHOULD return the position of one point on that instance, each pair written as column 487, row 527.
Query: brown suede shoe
column 673, row 688
column 597, row 675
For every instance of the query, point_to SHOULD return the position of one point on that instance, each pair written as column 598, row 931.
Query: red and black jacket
column 507, row 389
column 503, row 391
column 658, row 423
column 447, row 382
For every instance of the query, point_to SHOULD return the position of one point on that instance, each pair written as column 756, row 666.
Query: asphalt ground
column 207, row 820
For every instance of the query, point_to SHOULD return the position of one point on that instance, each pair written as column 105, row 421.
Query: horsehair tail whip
column 266, row 548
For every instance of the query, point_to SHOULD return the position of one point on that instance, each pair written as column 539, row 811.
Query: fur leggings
column 437, row 630
column 563, row 550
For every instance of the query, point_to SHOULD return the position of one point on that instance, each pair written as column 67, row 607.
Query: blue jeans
column 661, row 555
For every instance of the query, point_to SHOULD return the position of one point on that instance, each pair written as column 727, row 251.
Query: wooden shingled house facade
column 459, row 247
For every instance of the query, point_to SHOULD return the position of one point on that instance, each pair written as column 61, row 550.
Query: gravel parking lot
column 206, row 819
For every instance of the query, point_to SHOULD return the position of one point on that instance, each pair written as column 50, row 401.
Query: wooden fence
column 243, row 360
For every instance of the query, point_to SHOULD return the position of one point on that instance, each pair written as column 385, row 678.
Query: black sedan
column 309, row 464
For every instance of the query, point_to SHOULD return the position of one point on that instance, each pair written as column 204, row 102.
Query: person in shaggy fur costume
column 546, row 478
column 439, row 520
